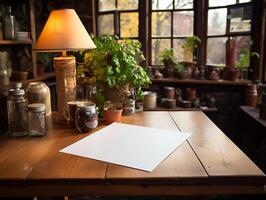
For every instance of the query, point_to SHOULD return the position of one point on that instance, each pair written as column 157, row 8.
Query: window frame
column 171, row 37
column 117, row 14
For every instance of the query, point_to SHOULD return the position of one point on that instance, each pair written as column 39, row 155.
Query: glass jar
column 37, row 124
column 39, row 92
column 9, row 25
column 17, row 113
column 86, row 116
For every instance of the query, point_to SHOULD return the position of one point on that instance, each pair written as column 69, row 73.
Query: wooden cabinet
column 20, row 50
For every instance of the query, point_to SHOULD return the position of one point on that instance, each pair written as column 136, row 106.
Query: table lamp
column 63, row 32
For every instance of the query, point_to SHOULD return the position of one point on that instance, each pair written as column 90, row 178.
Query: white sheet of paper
column 128, row 145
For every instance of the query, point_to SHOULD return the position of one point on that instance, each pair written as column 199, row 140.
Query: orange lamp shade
column 64, row 31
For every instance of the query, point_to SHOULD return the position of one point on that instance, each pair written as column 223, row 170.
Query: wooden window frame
column 171, row 37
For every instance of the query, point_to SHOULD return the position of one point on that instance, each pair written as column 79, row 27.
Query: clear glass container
column 39, row 92
column 17, row 113
column 86, row 116
column 37, row 122
column 9, row 25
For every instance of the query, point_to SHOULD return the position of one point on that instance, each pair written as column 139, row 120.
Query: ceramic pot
column 251, row 95
column 213, row 73
column 111, row 116
column 169, row 92
column 230, row 73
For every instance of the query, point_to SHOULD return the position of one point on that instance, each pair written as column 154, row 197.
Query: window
column 118, row 17
column 171, row 22
column 227, row 18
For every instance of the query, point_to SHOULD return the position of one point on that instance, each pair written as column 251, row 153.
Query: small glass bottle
column 37, row 122
column 17, row 113
column 1, row 31
column 9, row 25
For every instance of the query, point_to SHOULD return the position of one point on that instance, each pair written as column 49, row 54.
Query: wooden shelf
column 203, row 82
column 15, row 42
column 40, row 78
column 159, row 108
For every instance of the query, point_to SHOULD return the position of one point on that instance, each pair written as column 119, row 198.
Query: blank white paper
column 128, row 145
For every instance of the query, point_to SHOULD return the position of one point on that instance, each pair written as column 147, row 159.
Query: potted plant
column 242, row 63
column 115, row 68
column 189, row 46
column 169, row 61
column 112, row 113
column 43, row 61
column 180, row 71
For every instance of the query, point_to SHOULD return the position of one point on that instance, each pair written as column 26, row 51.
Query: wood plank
column 125, row 190
column 65, row 167
column 181, row 167
column 39, row 160
column 224, row 162
column 202, row 82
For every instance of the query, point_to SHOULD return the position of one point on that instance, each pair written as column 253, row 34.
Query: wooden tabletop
column 208, row 163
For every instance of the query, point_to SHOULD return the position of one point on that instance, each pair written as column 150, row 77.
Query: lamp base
column 65, row 72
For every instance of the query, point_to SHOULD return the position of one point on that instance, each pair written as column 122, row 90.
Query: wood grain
column 222, row 159
column 181, row 167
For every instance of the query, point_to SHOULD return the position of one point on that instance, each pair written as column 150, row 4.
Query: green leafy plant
column 115, row 63
column 244, row 59
column 191, row 43
column 167, row 54
column 180, row 68
column 43, row 58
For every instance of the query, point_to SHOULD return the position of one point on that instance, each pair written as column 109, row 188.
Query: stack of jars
column 23, row 118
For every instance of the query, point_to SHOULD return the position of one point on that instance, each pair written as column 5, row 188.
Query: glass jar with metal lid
column 39, row 92
column 17, row 113
column 86, row 116
column 37, row 123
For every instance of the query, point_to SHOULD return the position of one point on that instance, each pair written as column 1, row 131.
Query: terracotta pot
column 251, row 95
column 230, row 73
column 181, row 75
column 190, row 67
column 169, row 92
column 111, row 116
column 213, row 73
column 115, row 94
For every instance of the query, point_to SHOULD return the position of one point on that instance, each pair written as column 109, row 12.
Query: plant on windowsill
column 115, row 68
column 242, row 63
column 180, row 71
column 169, row 61
column 189, row 47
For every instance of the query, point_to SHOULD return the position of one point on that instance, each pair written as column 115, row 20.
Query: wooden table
column 208, row 163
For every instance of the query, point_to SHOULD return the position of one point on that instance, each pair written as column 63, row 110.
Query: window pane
column 242, row 43
column 217, row 21
column 158, row 45
column 106, row 24
column 240, row 19
column 216, row 50
column 129, row 24
column 127, row 4
column 161, row 24
column 180, row 4
column 244, row 1
column 162, row 4
column 221, row 2
column 105, row 5
column 183, row 23
column 178, row 50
